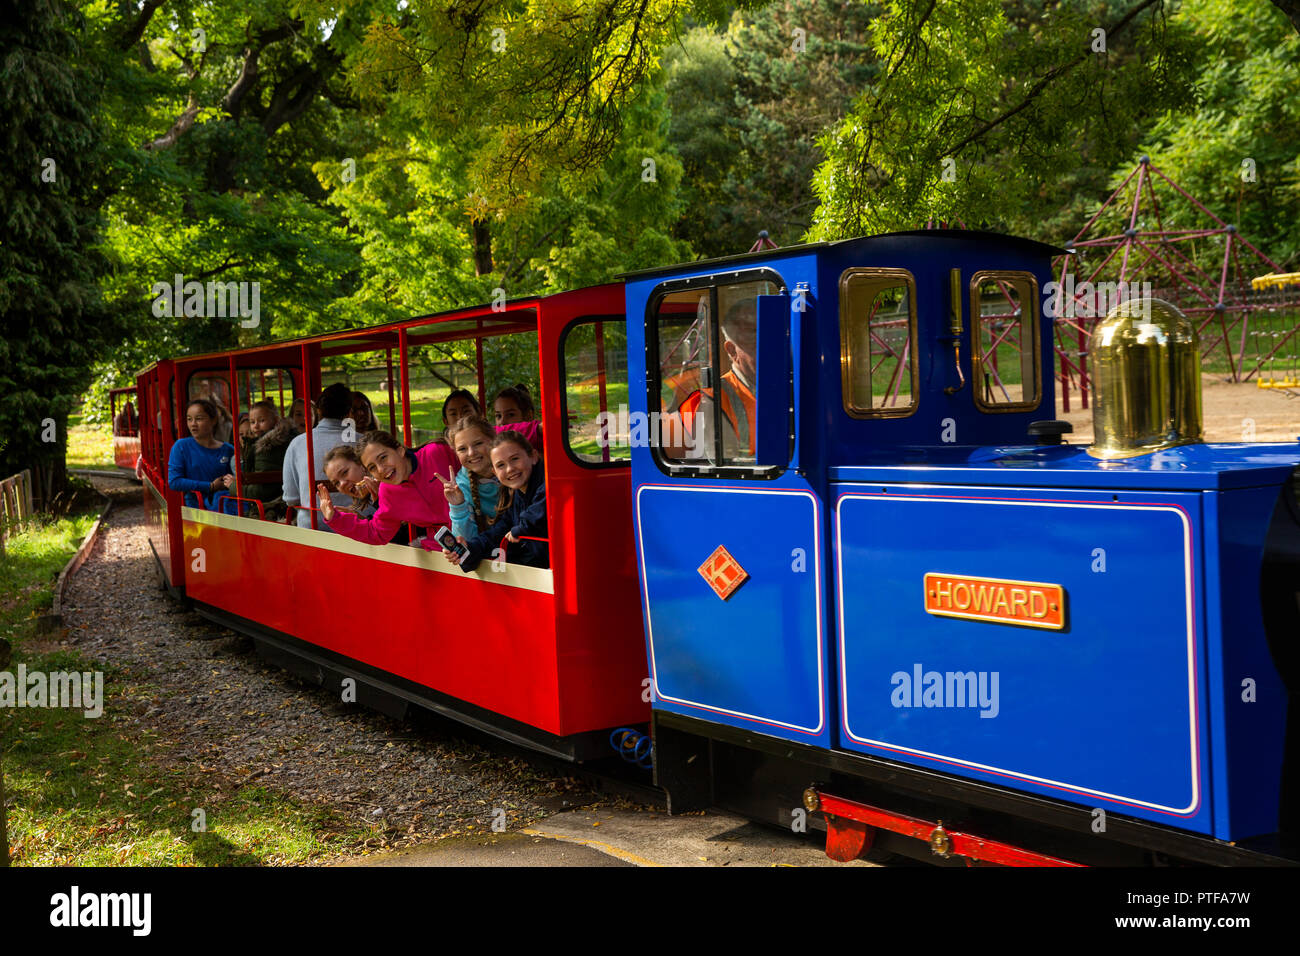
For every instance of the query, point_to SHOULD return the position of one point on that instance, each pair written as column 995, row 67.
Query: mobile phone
column 449, row 543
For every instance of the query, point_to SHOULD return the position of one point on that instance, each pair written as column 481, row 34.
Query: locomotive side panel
column 734, row 625
column 1047, row 640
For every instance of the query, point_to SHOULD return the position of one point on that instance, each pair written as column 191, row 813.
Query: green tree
column 1238, row 151
column 991, row 113
column 50, row 305
column 748, row 108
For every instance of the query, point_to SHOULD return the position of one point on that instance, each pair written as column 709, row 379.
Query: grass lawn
column 82, row 791
column 89, row 446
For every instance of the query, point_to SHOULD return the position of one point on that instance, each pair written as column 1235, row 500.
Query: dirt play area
column 1229, row 408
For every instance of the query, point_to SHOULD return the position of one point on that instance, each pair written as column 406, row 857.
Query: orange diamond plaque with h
column 723, row 573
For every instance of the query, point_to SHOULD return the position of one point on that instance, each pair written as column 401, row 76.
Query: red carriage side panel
column 486, row 638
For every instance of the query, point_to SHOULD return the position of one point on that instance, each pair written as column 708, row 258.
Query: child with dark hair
column 334, row 405
column 521, row 513
column 343, row 467
column 457, row 405
column 199, row 466
column 264, row 449
column 363, row 414
column 410, row 489
column 514, row 405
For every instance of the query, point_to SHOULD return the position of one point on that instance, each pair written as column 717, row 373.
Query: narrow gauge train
column 869, row 587
column 126, row 427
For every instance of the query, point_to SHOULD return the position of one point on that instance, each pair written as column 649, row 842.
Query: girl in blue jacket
column 520, row 514
column 199, row 466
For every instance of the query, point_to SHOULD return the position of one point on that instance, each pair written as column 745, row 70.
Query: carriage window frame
column 976, row 332
column 847, row 353
column 712, row 282
column 564, row 393
column 224, row 375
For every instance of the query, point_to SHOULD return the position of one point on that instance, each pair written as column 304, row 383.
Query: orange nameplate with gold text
column 1027, row 603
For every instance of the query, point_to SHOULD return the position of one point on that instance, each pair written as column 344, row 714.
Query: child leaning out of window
column 522, row 514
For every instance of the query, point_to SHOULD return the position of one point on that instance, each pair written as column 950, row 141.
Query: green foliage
column 544, row 84
column 994, row 113
column 748, row 107
column 1247, row 109
column 50, row 309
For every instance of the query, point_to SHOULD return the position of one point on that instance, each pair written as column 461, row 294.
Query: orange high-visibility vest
column 738, row 405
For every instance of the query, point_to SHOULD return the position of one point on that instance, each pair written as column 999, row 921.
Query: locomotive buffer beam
column 851, row 828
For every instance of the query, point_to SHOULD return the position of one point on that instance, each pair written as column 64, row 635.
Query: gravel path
column 229, row 720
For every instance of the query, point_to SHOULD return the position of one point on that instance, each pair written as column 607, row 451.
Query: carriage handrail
column 261, row 511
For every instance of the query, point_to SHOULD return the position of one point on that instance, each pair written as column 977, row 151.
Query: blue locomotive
column 881, row 591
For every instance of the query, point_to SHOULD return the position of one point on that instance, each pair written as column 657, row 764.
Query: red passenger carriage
column 548, row 657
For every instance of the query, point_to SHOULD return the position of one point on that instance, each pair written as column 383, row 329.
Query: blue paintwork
column 757, row 658
column 1099, row 713
column 1117, row 711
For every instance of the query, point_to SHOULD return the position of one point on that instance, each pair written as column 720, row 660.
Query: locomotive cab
column 904, row 588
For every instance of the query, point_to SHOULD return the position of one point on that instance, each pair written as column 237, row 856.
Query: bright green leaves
column 982, row 107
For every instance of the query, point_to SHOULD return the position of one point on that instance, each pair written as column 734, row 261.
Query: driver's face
column 742, row 357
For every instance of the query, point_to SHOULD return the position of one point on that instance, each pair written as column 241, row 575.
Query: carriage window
column 1004, row 337
column 706, row 340
column 595, row 391
column 878, row 342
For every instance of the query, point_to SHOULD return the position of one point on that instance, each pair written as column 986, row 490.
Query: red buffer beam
column 851, row 826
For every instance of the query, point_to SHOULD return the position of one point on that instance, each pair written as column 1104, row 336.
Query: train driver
column 739, row 405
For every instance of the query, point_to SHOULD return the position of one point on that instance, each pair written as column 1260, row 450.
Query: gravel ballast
column 227, row 719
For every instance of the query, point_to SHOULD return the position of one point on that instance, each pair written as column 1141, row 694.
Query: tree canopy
column 362, row 160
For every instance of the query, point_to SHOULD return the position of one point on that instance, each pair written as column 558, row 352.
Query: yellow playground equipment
column 1289, row 378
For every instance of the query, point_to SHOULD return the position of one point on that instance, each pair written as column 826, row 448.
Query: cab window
column 878, row 365
column 706, row 408
column 1004, row 341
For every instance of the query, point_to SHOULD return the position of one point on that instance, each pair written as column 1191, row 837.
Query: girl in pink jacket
column 410, row 489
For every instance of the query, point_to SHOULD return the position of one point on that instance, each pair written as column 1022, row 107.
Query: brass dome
column 1146, row 371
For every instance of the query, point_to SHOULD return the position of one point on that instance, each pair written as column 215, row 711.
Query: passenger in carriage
column 522, row 515
column 473, row 492
column 344, row 469
column 457, row 405
column 513, row 406
column 125, row 422
column 410, row 489
column 263, row 451
column 363, row 414
column 298, row 416
column 245, row 429
column 199, row 466
column 461, row 403
column 335, row 405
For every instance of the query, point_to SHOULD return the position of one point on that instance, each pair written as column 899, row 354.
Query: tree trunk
column 482, row 247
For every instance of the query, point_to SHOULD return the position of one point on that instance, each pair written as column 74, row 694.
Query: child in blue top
column 199, row 466
column 523, row 515
column 473, row 493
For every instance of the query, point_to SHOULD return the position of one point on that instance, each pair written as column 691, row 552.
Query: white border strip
column 817, row 582
column 1074, row 788
column 514, row 575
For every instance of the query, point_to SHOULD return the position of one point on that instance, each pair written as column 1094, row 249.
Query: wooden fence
column 15, row 504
